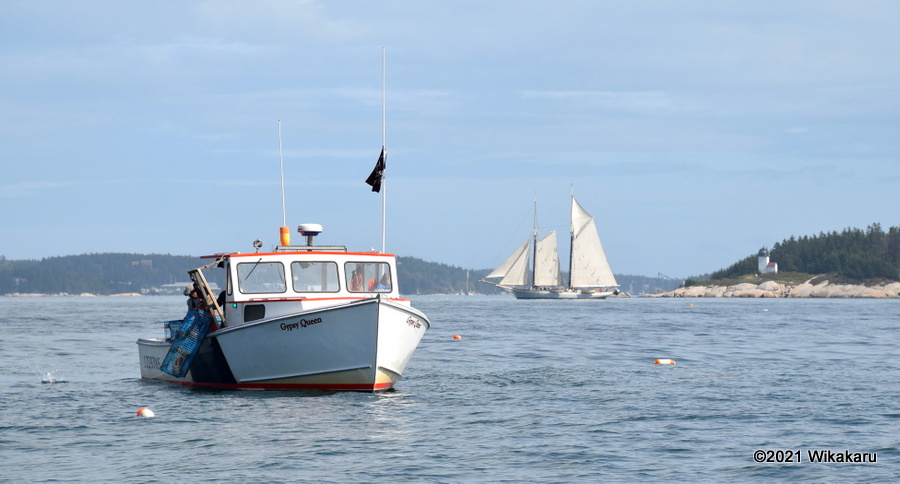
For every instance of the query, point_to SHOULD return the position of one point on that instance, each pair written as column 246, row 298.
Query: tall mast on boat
column 534, row 237
column 571, row 237
column 376, row 178
column 383, row 142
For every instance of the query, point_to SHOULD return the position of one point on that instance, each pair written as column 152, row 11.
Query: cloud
column 656, row 102
column 30, row 189
column 429, row 101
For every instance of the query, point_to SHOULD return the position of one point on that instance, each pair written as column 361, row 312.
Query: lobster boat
column 301, row 317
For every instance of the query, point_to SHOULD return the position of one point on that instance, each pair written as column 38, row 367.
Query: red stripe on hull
column 358, row 387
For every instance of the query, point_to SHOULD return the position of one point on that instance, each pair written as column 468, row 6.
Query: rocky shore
column 822, row 289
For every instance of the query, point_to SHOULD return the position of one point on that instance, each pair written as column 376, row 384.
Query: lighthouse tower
column 763, row 260
column 764, row 264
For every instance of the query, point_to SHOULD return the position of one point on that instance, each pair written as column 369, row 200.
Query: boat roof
column 297, row 250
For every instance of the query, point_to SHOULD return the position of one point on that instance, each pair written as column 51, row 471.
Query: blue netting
column 172, row 327
column 186, row 343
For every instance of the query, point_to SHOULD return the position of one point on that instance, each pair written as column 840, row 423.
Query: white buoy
column 664, row 361
column 145, row 412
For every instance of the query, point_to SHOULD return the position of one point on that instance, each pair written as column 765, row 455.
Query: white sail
column 514, row 270
column 589, row 267
column 546, row 262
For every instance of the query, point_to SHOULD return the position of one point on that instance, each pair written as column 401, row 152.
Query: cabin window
column 368, row 276
column 261, row 277
column 252, row 312
column 315, row 276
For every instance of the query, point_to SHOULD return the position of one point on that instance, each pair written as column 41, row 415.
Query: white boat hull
column 361, row 345
column 560, row 294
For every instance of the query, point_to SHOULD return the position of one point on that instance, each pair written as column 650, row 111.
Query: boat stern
column 152, row 352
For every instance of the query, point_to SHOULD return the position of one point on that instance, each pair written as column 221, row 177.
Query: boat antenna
column 383, row 143
column 285, row 233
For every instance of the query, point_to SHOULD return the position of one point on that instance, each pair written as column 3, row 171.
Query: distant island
column 850, row 263
column 853, row 263
column 122, row 274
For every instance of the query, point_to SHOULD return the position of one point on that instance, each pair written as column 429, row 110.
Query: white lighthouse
column 764, row 265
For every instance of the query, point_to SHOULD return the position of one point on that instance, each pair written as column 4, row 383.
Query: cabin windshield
column 315, row 276
column 368, row 276
column 261, row 277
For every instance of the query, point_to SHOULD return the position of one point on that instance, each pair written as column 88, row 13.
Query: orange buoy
column 664, row 361
column 145, row 412
column 456, row 336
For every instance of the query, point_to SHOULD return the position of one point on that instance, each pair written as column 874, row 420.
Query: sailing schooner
column 590, row 276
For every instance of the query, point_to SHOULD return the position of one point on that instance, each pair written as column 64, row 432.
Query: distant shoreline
column 768, row 289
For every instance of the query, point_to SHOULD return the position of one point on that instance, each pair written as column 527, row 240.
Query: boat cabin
column 292, row 279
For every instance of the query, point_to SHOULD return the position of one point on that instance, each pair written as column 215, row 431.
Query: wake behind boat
column 590, row 276
column 299, row 317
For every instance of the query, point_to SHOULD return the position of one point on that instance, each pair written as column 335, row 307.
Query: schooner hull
column 560, row 294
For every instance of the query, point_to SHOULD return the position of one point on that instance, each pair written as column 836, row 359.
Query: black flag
column 378, row 173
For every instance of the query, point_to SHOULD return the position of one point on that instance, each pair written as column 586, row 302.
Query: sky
column 695, row 132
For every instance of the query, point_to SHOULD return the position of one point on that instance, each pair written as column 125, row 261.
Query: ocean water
column 533, row 391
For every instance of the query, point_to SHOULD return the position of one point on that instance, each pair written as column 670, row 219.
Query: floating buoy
column 145, row 412
column 456, row 336
column 664, row 361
